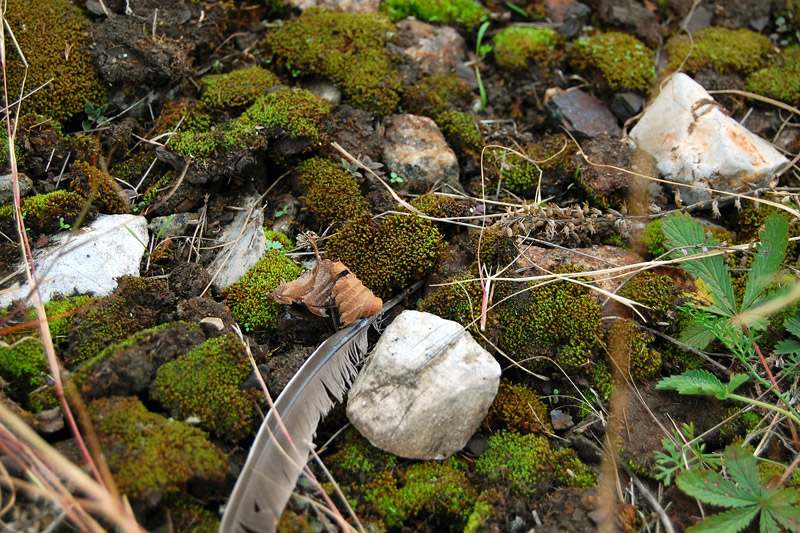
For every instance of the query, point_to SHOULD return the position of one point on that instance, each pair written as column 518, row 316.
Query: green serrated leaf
column 735, row 381
column 742, row 466
column 682, row 231
column 770, row 253
column 693, row 382
column 783, row 509
column 697, row 335
column 792, row 325
column 710, row 487
column 787, row 347
column 727, row 522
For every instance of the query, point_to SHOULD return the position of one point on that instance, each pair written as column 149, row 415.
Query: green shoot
column 480, row 51
column 94, row 116
column 678, row 457
column 744, row 494
column 519, row 10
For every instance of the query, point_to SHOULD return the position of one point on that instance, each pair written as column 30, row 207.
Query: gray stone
column 582, row 114
column 695, row 143
column 176, row 225
column 416, row 150
column 426, row 388
column 239, row 254
column 7, row 187
column 88, row 259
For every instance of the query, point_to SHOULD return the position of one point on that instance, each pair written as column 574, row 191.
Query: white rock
column 416, row 150
column 228, row 266
column 696, row 143
column 425, row 389
column 88, row 259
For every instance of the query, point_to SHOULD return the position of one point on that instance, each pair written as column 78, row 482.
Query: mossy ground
column 333, row 193
column 347, row 48
column 720, row 49
column 238, row 88
column 204, row 383
column 47, row 213
column 515, row 46
column 779, row 79
column 465, row 12
column 620, row 60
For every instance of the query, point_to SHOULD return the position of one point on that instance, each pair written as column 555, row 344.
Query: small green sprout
column 95, row 116
column 394, row 177
column 63, row 225
column 282, row 211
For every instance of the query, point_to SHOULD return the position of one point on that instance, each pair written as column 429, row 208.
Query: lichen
column 391, row 256
column 433, row 95
column 631, row 349
column 46, row 213
column 333, row 193
column 515, row 46
column 466, row 12
column 238, row 88
column 720, row 49
column 519, row 408
column 523, row 463
column 779, row 79
column 149, row 455
column 621, row 60
column 348, row 48
column 247, row 298
column 204, row 383
column 52, row 34
column 98, row 187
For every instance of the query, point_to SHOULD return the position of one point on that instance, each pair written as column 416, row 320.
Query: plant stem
column 765, row 405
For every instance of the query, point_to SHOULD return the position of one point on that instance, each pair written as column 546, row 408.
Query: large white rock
column 696, row 143
column 229, row 266
column 425, row 389
column 88, row 259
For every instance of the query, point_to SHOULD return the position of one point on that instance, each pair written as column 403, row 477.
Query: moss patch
column 238, row 88
column 462, row 133
column 98, row 187
column 298, row 112
column 433, row 95
column 631, row 348
column 519, row 408
column 779, row 80
column 333, row 193
column 204, row 383
column 621, row 60
column 465, row 12
column 524, row 463
column 348, row 49
column 46, row 213
column 247, row 297
column 720, row 49
column 52, row 35
column 150, row 455
column 515, row 46
column 391, row 256
column 658, row 292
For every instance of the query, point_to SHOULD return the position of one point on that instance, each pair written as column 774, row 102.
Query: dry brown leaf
column 330, row 283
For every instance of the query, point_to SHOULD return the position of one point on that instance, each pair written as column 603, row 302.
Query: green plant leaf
column 481, row 32
column 693, row 382
column 710, row 487
column 792, row 325
column 783, row 509
column 787, row 347
column 697, row 335
column 770, row 253
column 743, row 469
column 727, row 522
column 682, row 231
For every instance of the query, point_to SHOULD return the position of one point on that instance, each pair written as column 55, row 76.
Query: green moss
column 196, row 144
column 436, row 205
column 433, row 95
column 52, row 34
column 238, row 88
column 523, row 463
column 742, row 423
column 348, row 48
column 46, row 213
column 98, row 187
column 779, row 80
column 333, row 193
column 720, row 49
column 389, row 257
column 279, row 241
column 486, row 507
column 247, row 298
column 559, row 319
column 653, row 238
column 622, row 60
column 552, row 159
column 295, row 111
column 22, row 363
column 514, row 46
column 751, row 222
column 60, row 325
column 204, row 383
column 658, row 292
column 570, row 471
column 627, row 344
column 770, row 472
column 494, row 247
column 462, row 133
column 465, row 12
column 150, row 455
column 459, row 301
column 187, row 516
column 357, row 460
column 519, row 408
column 136, row 305
column 152, row 192
column 439, row 492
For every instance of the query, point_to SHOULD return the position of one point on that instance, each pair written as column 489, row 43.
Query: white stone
column 88, row 259
column 696, row 143
column 228, row 266
column 425, row 389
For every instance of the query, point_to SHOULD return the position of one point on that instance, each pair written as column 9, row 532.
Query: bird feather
column 275, row 460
